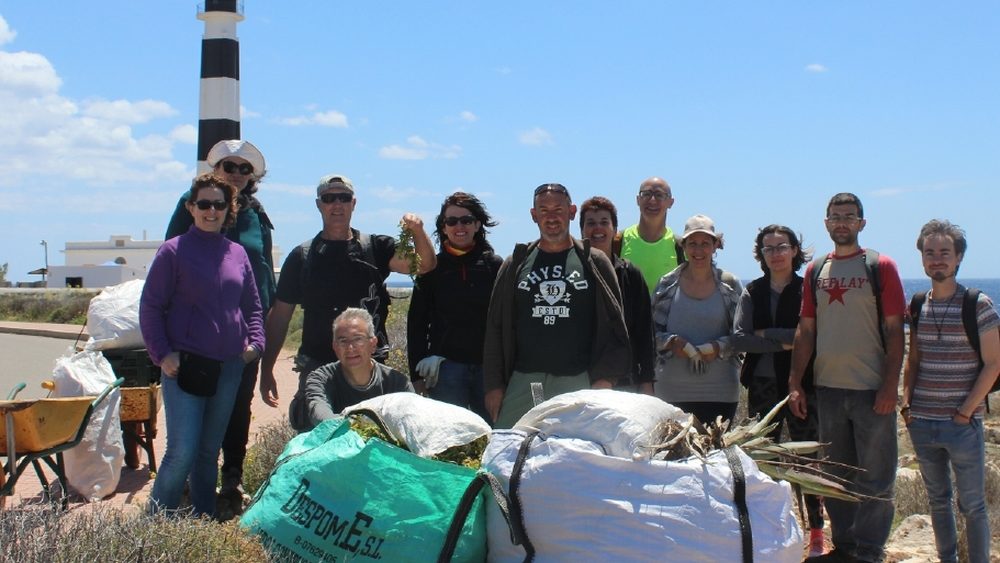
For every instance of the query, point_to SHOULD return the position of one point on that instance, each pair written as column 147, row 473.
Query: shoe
column 816, row 546
column 232, row 481
column 835, row 556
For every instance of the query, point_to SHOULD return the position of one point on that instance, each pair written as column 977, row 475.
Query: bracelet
column 959, row 413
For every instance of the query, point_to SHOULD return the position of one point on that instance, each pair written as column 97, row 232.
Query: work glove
column 707, row 351
column 428, row 368
column 695, row 363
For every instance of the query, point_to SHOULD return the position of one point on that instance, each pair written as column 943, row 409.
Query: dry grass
column 43, row 534
column 47, row 306
column 268, row 444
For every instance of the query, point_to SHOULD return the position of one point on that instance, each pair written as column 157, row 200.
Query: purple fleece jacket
column 200, row 297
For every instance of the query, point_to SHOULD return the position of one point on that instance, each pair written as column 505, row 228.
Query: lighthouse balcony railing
column 235, row 6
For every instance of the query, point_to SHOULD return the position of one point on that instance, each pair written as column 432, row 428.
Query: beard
column 942, row 276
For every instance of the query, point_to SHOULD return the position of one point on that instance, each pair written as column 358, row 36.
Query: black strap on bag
column 740, row 499
column 516, row 507
column 468, row 499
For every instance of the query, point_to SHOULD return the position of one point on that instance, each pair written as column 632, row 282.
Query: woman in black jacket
column 446, row 323
column 765, row 328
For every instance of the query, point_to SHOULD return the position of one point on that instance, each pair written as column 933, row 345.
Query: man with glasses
column 852, row 317
column 555, row 316
column 650, row 244
column 339, row 268
column 355, row 376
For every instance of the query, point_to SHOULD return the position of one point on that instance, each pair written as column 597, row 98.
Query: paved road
column 28, row 359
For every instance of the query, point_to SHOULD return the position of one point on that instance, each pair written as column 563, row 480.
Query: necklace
column 940, row 324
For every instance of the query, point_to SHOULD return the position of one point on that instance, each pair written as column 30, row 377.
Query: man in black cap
column 339, row 268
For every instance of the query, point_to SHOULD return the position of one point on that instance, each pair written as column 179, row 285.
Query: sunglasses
column 244, row 168
column 464, row 219
column 557, row 188
column 206, row 204
column 340, row 197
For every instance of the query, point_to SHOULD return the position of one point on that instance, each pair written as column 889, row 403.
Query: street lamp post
column 45, row 272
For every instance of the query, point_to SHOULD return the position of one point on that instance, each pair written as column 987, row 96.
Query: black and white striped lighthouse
column 219, row 103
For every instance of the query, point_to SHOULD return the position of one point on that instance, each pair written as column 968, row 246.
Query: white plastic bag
column 426, row 426
column 587, row 490
column 113, row 318
column 93, row 467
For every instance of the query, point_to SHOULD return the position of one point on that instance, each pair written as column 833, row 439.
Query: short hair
column 473, row 205
column 598, row 203
column 551, row 187
column 355, row 314
column 210, row 180
column 945, row 228
column 846, row 198
column 801, row 256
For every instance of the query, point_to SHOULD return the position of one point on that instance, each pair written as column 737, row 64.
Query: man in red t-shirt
column 856, row 379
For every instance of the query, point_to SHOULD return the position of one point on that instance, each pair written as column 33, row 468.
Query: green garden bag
column 334, row 497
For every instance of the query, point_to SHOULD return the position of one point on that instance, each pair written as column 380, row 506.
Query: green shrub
column 50, row 306
column 268, row 444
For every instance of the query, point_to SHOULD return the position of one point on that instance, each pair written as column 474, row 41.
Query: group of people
column 644, row 310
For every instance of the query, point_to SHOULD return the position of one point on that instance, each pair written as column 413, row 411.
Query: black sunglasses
column 244, row 168
column 206, row 204
column 342, row 197
column 464, row 219
column 557, row 188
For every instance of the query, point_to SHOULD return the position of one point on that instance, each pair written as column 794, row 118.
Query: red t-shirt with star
column 849, row 352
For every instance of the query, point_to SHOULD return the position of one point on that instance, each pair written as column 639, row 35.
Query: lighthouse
column 219, row 101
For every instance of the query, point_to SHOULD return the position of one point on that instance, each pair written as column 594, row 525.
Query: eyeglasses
column 843, row 219
column 783, row 248
column 206, row 204
column 340, row 197
column 244, row 168
column 650, row 194
column 464, row 219
column 355, row 342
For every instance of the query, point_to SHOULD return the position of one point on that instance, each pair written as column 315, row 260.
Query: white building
column 110, row 262
column 103, row 263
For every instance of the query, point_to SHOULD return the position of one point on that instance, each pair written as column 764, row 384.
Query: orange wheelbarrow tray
column 40, row 430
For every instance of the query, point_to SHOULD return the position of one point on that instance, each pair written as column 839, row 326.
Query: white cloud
column 816, row 67
column 88, row 143
column 536, row 136
column 417, row 148
column 27, row 74
column 6, row 33
column 187, row 134
column 247, row 113
column 468, row 116
column 330, row 118
column 127, row 112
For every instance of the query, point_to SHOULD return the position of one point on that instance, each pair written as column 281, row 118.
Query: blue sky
column 754, row 113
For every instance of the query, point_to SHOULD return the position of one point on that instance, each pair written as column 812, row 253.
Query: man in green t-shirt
column 555, row 316
column 650, row 244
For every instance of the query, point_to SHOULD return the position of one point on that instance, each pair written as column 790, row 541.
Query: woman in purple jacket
column 201, row 321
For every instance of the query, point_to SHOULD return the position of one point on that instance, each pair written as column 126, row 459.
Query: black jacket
column 448, row 308
column 638, row 312
column 787, row 316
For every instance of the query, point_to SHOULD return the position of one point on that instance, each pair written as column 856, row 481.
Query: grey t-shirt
column 698, row 321
column 328, row 392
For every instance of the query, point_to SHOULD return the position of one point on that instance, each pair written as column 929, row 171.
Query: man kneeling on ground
column 355, row 376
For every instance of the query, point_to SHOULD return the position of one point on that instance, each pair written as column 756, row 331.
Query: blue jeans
column 195, row 428
column 461, row 384
column 859, row 437
column 942, row 446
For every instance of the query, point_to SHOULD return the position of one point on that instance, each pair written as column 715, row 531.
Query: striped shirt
column 949, row 366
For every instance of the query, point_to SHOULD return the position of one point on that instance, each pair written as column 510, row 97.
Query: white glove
column 428, row 368
column 695, row 363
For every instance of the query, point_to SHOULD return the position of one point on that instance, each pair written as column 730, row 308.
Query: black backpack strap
column 740, row 499
column 482, row 479
column 817, row 267
column 916, row 305
column 305, row 249
column 970, row 321
column 875, row 281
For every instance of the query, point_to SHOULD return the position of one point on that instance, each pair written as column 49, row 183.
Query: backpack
column 871, row 268
column 969, row 322
column 306, row 247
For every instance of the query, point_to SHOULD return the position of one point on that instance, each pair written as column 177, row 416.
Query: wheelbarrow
column 40, row 430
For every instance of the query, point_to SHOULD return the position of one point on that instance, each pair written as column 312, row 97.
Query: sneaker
column 816, row 546
column 836, row 556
